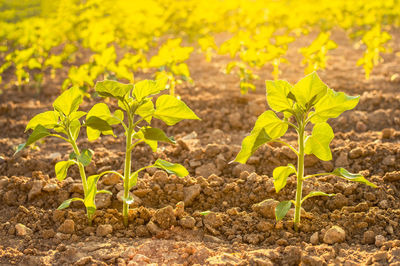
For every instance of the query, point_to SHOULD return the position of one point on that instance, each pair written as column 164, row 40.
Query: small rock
column 103, row 230
column 213, row 220
column 187, row 222
column 76, row 188
column 179, row 209
column 355, row 153
column 111, row 179
column 327, row 165
column 128, row 253
column 314, row 239
column 392, row 176
column 234, row 120
column 3, row 182
column 389, row 229
column 83, row 261
column 22, row 230
column 369, row 237
column 379, row 240
column 360, row 127
column 36, row 189
column 103, row 201
column 67, row 227
column 266, row 208
column 50, row 187
column 210, row 238
column 288, row 152
column 212, row 150
column 389, row 160
column 342, row 160
column 191, row 193
column 160, row 177
column 207, row 170
column 387, row 133
column 55, row 155
column 153, row 228
column 238, row 169
column 310, row 160
column 48, row 233
column 2, row 160
column 165, row 217
column 334, row 235
column 264, row 226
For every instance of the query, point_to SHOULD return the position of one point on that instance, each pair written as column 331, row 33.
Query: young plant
column 65, row 124
column 136, row 102
column 308, row 101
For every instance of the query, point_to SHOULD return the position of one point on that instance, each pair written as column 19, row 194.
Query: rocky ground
column 360, row 225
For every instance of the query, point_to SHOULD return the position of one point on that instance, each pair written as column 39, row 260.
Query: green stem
column 300, row 175
column 127, row 172
column 82, row 173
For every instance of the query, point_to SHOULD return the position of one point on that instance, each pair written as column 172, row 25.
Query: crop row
column 98, row 39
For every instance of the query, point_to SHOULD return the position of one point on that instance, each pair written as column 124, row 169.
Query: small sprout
column 308, row 101
column 65, row 124
column 135, row 113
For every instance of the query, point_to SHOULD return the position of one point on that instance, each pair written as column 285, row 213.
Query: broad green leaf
column 281, row 209
column 76, row 115
column 86, row 157
column 145, row 88
column 89, row 200
column 61, row 169
column 152, row 143
column 172, row 110
column 315, row 194
column 75, row 127
column 268, row 127
column 343, row 173
column 38, row 133
column 281, row 174
column 47, row 119
column 119, row 115
column 68, row 101
column 67, row 202
column 309, row 90
column 318, row 142
column 151, row 133
column 95, row 126
column 111, row 88
column 146, row 110
column 102, row 111
column 277, row 92
column 332, row 105
column 133, row 178
column 171, row 168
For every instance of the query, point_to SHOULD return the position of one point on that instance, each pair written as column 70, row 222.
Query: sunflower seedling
column 136, row 105
column 63, row 122
column 308, row 101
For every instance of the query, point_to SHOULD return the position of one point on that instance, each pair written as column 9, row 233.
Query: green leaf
column 268, row 127
column 133, row 178
column 86, row 157
column 281, row 209
column 315, row 194
column 309, row 90
column 343, row 173
column 145, row 88
column 111, row 88
column 277, row 95
column 172, row 110
column 47, row 119
column 68, row 101
column 171, row 168
column 38, row 133
column 152, row 143
column 76, row 115
column 95, row 126
column 332, row 105
column 61, row 169
column 205, row 213
column 89, row 200
column 281, row 174
column 146, row 110
column 151, row 133
column 75, row 127
column 104, row 191
column 67, row 202
column 318, row 142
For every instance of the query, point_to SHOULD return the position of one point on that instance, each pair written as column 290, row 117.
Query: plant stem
column 300, row 175
column 82, row 173
column 127, row 173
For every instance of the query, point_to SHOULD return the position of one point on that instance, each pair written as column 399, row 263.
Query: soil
column 360, row 225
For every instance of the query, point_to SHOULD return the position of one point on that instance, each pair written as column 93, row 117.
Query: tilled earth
column 360, row 225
